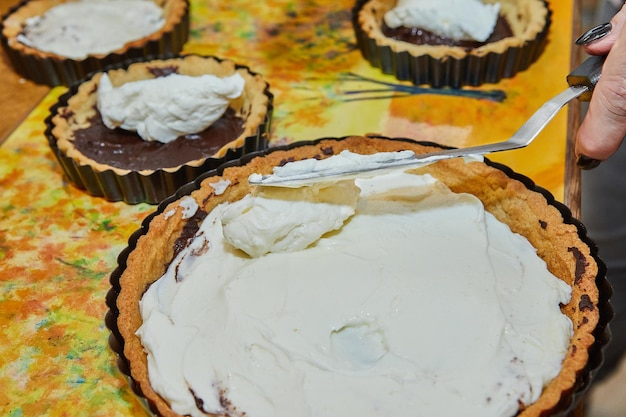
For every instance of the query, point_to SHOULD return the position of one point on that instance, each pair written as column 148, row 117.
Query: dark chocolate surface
column 126, row 150
column 421, row 36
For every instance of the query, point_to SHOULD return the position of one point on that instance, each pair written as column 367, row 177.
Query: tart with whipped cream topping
column 434, row 43
column 59, row 42
column 139, row 132
column 451, row 289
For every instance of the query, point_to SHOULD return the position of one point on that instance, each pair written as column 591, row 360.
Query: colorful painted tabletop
column 58, row 245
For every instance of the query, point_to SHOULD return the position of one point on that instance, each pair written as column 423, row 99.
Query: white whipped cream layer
column 77, row 29
column 164, row 108
column 346, row 165
column 287, row 220
column 421, row 303
column 454, row 19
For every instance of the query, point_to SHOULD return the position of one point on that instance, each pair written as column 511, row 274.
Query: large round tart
column 119, row 165
column 168, row 244
column 516, row 43
column 55, row 68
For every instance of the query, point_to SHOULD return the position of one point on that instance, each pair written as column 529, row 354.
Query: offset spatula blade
column 582, row 81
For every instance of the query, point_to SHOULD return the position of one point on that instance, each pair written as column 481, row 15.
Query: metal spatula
column 582, row 80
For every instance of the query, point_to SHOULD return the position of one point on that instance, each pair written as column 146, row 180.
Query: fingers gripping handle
column 587, row 74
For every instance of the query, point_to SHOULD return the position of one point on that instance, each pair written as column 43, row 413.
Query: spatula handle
column 587, row 74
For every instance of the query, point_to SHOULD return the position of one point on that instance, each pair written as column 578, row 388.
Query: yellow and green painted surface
column 59, row 245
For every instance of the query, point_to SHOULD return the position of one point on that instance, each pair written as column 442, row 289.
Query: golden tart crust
column 527, row 212
column 49, row 68
column 529, row 21
column 254, row 107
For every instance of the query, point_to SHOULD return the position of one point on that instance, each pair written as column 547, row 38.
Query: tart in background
column 51, row 67
column 513, row 199
column 116, row 163
column 453, row 66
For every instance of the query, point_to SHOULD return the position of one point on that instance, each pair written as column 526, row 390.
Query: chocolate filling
column 420, row 36
column 126, row 150
column 585, row 303
column 581, row 263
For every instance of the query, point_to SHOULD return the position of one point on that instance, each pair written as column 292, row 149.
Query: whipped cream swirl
column 164, row 108
column 76, row 29
column 454, row 19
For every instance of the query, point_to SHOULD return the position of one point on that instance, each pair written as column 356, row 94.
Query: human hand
column 604, row 126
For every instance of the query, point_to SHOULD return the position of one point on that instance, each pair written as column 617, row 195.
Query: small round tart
column 156, row 282
column 118, row 164
column 446, row 64
column 48, row 64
